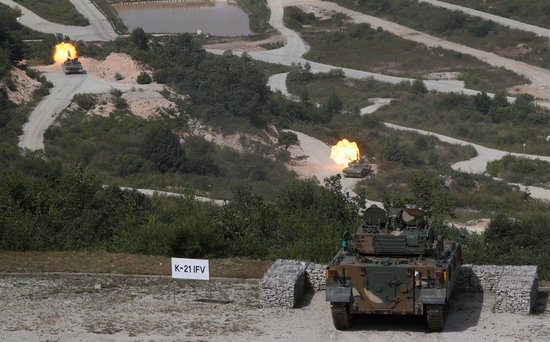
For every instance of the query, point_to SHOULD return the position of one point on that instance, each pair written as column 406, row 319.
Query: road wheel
column 435, row 317
column 340, row 315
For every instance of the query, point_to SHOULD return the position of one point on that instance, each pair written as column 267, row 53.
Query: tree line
column 46, row 207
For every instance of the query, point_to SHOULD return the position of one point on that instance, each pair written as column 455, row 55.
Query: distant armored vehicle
column 72, row 66
column 393, row 265
column 357, row 169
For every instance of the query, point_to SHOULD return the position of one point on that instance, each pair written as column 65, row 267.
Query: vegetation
column 488, row 121
column 517, row 127
column 533, row 12
column 258, row 15
column 144, row 78
column 459, row 27
column 11, row 49
column 57, row 11
column 111, row 14
column 521, row 170
column 117, row 263
column 67, row 198
column 358, row 46
column 37, row 49
column 48, row 208
column 521, row 239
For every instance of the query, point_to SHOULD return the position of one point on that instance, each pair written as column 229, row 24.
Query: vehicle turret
column 403, row 232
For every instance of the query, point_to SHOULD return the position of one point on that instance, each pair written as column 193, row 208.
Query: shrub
column 84, row 101
column 120, row 103
column 144, row 78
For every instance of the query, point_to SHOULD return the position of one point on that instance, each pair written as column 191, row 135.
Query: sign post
column 198, row 269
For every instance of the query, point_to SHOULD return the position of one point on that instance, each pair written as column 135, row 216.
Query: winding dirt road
column 66, row 86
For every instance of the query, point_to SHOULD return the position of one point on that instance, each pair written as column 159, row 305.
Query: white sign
column 190, row 269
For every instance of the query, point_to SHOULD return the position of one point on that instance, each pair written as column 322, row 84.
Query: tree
column 248, row 224
column 287, row 138
column 11, row 49
column 482, row 101
column 163, row 148
column 139, row 38
column 334, row 104
column 523, row 106
column 144, row 78
column 312, row 219
column 427, row 191
column 199, row 156
column 418, row 87
column 180, row 52
column 235, row 84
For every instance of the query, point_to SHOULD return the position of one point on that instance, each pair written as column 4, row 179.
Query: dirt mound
column 24, row 86
column 118, row 67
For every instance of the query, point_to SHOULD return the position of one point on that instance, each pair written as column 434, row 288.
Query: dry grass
column 103, row 262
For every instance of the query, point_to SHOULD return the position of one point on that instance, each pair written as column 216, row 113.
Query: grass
column 460, row 28
column 112, row 263
column 57, row 11
column 64, row 12
column 111, row 14
column 534, row 12
column 365, row 48
column 258, row 14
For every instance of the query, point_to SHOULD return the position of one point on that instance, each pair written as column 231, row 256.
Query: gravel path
column 90, row 307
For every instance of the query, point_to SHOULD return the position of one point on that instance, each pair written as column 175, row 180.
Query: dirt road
column 538, row 76
column 99, row 28
column 65, row 87
column 540, row 31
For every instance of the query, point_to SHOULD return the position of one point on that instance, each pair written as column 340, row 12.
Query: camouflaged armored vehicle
column 357, row 169
column 393, row 265
column 72, row 66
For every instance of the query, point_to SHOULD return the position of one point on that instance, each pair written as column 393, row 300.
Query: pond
column 221, row 19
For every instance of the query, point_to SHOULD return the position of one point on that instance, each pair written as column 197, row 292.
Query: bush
column 144, row 78
column 84, row 101
column 120, row 103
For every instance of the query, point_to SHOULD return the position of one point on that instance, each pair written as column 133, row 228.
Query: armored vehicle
column 72, row 66
column 393, row 265
column 357, row 169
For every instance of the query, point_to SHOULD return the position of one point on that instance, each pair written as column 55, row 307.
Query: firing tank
column 72, row 66
column 393, row 265
column 357, row 169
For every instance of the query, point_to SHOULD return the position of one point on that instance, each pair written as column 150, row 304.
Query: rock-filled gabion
column 468, row 280
column 315, row 276
column 516, row 287
column 479, row 278
column 283, row 284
